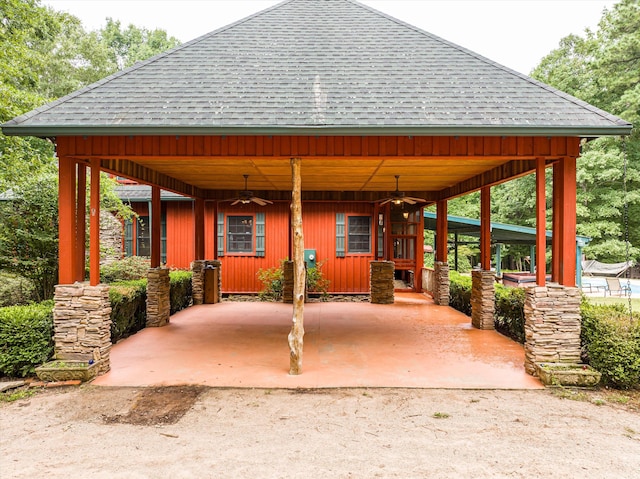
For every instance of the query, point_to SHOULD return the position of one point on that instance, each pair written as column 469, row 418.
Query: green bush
column 509, row 312
column 273, row 281
column 181, row 291
column 460, row 292
column 611, row 344
column 128, row 308
column 129, row 268
column 26, row 338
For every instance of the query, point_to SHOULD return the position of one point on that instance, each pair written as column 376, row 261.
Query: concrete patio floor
column 410, row 344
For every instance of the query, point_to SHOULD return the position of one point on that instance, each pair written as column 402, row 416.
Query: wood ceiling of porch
column 358, row 168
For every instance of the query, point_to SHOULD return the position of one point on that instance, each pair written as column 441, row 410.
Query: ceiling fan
column 245, row 196
column 398, row 197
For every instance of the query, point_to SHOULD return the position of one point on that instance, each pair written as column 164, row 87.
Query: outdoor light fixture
column 405, row 215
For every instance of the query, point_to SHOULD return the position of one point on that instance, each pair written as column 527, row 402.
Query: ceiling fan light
column 397, row 201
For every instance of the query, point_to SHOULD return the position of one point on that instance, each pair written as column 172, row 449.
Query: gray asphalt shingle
column 318, row 64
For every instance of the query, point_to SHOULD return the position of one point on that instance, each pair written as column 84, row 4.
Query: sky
column 514, row 33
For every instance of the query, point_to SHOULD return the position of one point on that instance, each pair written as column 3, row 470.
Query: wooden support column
column 485, row 228
column 156, row 226
column 556, row 224
column 66, row 220
column 441, row 231
column 541, row 223
column 417, row 277
column 199, row 228
column 94, row 224
column 81, row 223
column 568, row 206
column 296, row 336
column 215, row 230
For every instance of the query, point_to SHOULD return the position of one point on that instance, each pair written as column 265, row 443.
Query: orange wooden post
column 556, row 241
column 485, row 228
column 541, row 223
column 417, row 277
column 215, row 230
column 199, row 228
column 81, row 223
column 66, row 220
column 568, row 256
column 441, row 231
column 156, row 226
column 94, row 224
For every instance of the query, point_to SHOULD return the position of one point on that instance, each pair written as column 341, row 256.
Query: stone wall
column 441, row 283
column 551, row 325
column 82, row 323
column 381, row 280
column 483, row 302
column 287, row 282
column 111, row 233
column 158, row 297
column 197, row 280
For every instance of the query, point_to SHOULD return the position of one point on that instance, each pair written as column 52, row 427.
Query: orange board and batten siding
column 347, row 274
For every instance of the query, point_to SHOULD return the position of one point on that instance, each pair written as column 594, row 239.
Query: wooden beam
column 81, row 223
column 198, row 220
column 142, row 174
column 495, row 176
column 296, row 336
column 541, row 223
column 485, row 228
column 67, row 267
column 156, row 226
column 568, row 256
column 441, row 232
column 94, row 224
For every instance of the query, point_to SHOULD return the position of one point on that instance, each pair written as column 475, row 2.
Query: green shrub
column 131, row 267
column 128, row 308
column 509, row 312
column 316, row 282
column 181, row 291
column 26, row 338
column 460, row 292
column 273, row 281
column 611, row 344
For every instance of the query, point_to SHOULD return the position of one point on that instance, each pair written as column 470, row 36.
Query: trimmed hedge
column 460, row 292
column 509, row 313
column 128, row 308
column 181, row 291
column 611, row 343
column 26, row 338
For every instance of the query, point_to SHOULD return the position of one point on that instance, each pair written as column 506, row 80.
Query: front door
column 405, row 246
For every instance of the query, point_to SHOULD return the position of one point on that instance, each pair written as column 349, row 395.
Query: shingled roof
column 318, row 67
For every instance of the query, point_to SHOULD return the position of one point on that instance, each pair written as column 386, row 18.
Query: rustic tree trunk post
column 297, row 329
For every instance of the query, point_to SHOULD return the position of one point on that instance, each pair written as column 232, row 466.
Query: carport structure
column 351, row 96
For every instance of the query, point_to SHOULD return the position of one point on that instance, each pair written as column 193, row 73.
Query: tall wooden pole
column 485, row 228
column 541, row 223
column 297, row 329
column 94, row 224
column 156, row 226
column 67, row 256
column 81, row 223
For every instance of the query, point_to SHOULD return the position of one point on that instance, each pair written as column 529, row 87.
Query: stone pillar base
column 551, row 325
column 483, row 299
column 158, row 297
column 441, row 286
column 82, row 323
column 287, row 282
column 382, row 288
column 197, row 279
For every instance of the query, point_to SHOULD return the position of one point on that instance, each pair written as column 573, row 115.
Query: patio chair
column 615, row 286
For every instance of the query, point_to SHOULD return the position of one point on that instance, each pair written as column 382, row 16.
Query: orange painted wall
column 349, row 274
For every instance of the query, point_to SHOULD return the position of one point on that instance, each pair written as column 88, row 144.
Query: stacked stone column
column 197, row 279
column 551, row 325
column 381, row 280
column 441, row 284
column 158, row 297
column 82, row 323
column 483, row 302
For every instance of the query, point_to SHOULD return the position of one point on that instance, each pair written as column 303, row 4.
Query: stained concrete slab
column 411, row 344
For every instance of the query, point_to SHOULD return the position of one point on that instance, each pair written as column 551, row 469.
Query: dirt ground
column 194, row 432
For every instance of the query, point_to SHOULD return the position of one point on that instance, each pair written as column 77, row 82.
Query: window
column 143, row 237
column 240, row 234
column 359, row 234
column 137, row 237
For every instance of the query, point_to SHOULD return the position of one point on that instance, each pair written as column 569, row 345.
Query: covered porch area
column 411, row 344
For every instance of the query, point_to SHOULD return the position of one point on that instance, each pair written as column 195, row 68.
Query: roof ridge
column 549, row 88
column 134, row 67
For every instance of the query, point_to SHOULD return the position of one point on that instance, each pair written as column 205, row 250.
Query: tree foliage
column 603, row 69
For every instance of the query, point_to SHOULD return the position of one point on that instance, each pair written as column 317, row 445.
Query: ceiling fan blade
column 236, row 201
column 260, row 201
column 409, row 201
column 385, row 201
column 417, row 200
